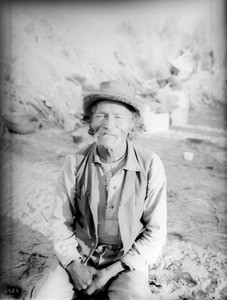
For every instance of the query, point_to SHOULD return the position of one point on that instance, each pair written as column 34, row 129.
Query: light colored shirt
column 110, row 176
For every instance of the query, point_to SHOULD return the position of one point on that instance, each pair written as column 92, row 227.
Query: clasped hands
column 90, row 279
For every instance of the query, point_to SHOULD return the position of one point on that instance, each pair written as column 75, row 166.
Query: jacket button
column 93, row 244
column 99, row 248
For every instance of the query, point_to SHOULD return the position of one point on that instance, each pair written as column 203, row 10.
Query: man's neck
column 112, row 155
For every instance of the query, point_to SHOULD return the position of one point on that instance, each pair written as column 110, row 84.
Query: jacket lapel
column 131, row 167
column 90, row 185
column 94, row 196
column 129, row 185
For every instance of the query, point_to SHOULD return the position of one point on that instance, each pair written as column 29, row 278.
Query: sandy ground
column 193, row 262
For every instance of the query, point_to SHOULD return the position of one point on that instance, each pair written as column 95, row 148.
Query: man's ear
column 91, row 130
column 132, row 126
column 133, row 122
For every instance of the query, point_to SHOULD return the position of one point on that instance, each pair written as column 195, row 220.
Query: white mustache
column 102, row 131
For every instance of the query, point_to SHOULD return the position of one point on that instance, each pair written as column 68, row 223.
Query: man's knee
column 55, row 284
column 130, row 285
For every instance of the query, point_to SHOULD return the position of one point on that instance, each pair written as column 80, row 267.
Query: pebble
column 188, row 156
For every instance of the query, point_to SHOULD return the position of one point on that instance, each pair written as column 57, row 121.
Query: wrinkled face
column 111, row 123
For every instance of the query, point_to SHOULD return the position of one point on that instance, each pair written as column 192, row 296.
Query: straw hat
column 114, row 91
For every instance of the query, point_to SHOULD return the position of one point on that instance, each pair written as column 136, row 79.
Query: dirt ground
column 193, row 262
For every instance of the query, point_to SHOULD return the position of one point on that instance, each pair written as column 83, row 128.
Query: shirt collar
column 96, row 156
column 131, row 158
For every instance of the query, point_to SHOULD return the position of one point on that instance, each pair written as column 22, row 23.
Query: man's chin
column 109, row 146
column 107, row 140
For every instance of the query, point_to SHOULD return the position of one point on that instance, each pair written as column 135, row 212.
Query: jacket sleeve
column 148, row 246
column 61, row 220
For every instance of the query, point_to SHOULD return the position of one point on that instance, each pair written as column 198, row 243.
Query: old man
column 109, row 214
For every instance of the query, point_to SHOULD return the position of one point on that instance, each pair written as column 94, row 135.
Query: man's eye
column 99, row 116
column 118, row 117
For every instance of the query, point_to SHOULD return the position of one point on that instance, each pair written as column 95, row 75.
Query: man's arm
column 148, row 246
column 61, row 226
column 61, row 220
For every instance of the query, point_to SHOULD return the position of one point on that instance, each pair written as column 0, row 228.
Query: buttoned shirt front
column 110, row 177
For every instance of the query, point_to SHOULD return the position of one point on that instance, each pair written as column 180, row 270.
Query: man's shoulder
column 146, row 157
column 78, row 157
column 143, row 152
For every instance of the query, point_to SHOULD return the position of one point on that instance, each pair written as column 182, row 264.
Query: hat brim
column 92, row 99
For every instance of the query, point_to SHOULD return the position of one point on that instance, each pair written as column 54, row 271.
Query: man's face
column 111, row 123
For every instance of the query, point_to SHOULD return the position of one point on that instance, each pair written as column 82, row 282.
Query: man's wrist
column 77, row 261
column 69, row 266
column 117, row 267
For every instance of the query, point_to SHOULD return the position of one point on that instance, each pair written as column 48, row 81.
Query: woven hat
column 114, row 91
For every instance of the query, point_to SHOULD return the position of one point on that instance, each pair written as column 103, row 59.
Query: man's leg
column 131, row 285
column 54, row 285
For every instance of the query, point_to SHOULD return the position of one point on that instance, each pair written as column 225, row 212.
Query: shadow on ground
column 23, row 265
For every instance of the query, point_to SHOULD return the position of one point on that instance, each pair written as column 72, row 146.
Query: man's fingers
column 91, row 289
column 84, row 287
column 89, row 282
column 80, row 285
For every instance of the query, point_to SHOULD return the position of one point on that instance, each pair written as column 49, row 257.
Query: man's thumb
column 93, row 271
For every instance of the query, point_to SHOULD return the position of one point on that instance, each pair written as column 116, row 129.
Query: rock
column 188, row 156
column 77, row 138
column 155, row 122
column 69, row 123
column 179, row 115
column 21, row 122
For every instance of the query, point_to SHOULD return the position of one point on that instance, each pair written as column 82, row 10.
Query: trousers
column 56, row 285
